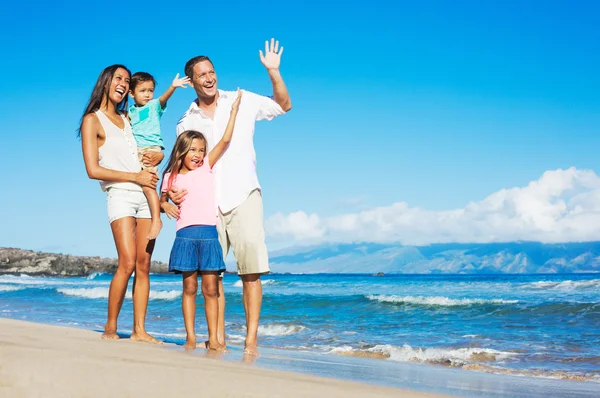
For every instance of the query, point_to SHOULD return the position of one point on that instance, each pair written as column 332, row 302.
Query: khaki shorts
column 242, row 229
column 142, row 151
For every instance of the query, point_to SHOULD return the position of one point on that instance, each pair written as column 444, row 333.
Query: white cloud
column 561, row 206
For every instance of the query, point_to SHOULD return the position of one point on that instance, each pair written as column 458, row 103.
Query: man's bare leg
column 252, row 302
column 141, row 282
column 123, row 230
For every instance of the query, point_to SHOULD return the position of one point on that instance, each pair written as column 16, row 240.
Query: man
column 238, row 193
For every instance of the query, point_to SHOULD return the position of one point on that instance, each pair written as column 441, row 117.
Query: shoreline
column 54, row 361
column 57, row 361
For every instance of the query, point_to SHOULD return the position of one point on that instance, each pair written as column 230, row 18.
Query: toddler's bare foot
column 155, row 228
column 144, row 338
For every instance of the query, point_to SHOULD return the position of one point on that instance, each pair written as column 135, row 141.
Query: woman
column 110, row 155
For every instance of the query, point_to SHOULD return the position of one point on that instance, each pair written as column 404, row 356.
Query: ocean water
column 545, row 326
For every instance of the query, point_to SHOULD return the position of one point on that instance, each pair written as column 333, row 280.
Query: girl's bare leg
column 123, row 230
column 221, row 323
column 188, row 307
column 211, row 307
column 141, row 281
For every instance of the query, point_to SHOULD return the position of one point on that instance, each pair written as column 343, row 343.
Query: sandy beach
column 39, row 360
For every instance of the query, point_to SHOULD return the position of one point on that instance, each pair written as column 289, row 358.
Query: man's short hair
column 189, row 65
column 140, row 77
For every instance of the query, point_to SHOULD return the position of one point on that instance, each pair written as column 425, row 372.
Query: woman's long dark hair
column 180, row 149
column 100, row 92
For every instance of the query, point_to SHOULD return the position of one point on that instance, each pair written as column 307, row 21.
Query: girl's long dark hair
column 180, row 149
column 100, row 92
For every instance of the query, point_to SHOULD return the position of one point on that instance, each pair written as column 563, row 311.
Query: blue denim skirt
column 196, row 248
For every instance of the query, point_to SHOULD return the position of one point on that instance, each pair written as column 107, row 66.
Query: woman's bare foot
column 251, row 350
column 191, row 345
column 155, row 228
column 110, row 333
column 144, row 338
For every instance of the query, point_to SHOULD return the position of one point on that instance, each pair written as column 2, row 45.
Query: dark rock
column 18, row 261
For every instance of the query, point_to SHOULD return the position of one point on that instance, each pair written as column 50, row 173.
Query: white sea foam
column 264, row 282
column 436, row 300
column 94, row 275
column 445, row 356
column 4, row 288
column 102, row 293
column 164, row 294
column 235, row 338
column 38, row 281
column 176, row 335
column 565, row 285
column 275, row 329
column 91, row 293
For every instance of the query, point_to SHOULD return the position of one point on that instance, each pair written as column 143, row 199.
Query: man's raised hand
column 272, row 56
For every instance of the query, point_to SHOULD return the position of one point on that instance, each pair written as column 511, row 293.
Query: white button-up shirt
column 235, row 172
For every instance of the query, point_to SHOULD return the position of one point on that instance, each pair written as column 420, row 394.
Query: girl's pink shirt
column 199, row 205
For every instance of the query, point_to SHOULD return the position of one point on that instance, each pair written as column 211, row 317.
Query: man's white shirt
column 235, row 173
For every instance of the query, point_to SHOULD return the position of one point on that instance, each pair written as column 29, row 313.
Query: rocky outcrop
column 18, row 261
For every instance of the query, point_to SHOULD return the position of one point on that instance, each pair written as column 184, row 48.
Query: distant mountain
column 451, row 258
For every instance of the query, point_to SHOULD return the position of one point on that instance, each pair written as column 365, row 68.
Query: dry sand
column 52, row 361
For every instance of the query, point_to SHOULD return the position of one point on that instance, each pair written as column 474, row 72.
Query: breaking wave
column 455, row 357
column 436, row 300
column 102, row 293
column 275, row 329
column 565, row 285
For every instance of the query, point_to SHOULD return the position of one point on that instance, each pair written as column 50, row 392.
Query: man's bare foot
column 251, row 350
column 144, row 338
column 110, row 335
column 155, row 228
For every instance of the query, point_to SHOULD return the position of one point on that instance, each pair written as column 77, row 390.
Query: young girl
column 196, row 247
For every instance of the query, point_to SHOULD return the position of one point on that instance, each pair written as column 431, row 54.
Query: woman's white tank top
column 119, row 152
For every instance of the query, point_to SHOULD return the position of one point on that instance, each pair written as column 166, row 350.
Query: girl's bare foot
column 155, row 228
column 144, row 338
column 215, row 346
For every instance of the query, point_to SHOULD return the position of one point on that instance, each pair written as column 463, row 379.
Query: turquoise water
column 545, row 326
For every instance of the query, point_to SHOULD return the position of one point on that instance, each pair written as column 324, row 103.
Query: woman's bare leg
column 188, row 307
column 123, row 230
column 141, row 281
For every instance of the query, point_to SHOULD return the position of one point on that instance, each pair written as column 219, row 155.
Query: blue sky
column 433, row 103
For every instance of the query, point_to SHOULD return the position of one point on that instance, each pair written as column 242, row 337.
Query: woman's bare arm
column 90, row 133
